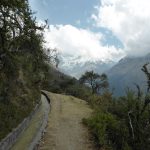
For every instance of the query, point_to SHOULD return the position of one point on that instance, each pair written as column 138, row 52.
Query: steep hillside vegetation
column 58, row 82
column 118, row 123
column 24, row 67
column 22, row 63
column 122, row 123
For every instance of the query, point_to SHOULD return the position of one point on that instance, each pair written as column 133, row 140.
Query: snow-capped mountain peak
column 76, row 66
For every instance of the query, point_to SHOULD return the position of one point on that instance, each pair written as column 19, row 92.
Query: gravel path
column 65, row 130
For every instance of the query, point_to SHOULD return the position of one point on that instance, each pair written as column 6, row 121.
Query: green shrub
column 109, row 133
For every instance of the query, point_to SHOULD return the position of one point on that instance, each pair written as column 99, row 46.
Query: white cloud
column 74, row 42
column 129, row 20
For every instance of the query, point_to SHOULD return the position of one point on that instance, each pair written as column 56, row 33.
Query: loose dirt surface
column 65, row 130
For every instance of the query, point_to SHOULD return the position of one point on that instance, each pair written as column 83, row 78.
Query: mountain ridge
column 76, row 66
column 126, row 73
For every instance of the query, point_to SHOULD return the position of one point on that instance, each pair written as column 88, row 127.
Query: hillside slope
column 126, row 73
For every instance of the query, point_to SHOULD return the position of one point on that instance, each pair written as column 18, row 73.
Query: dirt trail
column 65, row 130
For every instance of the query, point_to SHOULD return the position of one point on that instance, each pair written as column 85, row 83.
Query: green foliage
column 96, row 81
column 22, row 63
column 147, row 73
column 58, row 82
column 117, row 124
column 11, row 115
column 108, row 131
column 122, row 123
column 129, row 110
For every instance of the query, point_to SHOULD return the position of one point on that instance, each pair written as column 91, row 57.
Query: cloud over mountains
column 129, row 21
column 74, row 42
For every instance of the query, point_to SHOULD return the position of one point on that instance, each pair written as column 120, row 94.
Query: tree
column 138, row 112
column 18, row 31
column 53, row 56
column 147, row 73
column 96, row 81
column 20, row 41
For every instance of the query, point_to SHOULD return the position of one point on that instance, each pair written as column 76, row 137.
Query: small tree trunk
column 131, row 126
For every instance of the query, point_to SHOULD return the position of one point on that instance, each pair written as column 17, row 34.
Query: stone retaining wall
column 12, row 137
column 35, row 143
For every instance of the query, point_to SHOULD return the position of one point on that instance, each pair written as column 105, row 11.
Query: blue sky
column 74, row 12
column 64, row 11
column 96, row 29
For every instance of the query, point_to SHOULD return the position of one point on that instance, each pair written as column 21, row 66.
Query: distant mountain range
column 126, row 73
column 76, row 67
column 121, row 75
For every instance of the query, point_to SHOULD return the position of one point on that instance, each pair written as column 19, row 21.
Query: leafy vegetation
column 22, row 63
column 117, row 124
column 25, row 68
column 96, row 81
column 57, row 82
column 122, row 123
